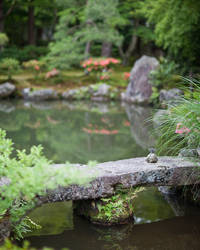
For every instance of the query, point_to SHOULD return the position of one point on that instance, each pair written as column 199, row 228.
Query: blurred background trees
column 69, row 31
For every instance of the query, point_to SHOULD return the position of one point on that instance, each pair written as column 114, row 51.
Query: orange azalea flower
column 127, row 124
column 127, row 75
column 37, row 67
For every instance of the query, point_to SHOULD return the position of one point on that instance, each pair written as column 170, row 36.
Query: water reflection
column 75, row 131
column 141, row 127
column 180, row 233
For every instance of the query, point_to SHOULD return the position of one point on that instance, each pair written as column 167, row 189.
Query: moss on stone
column 117, row 209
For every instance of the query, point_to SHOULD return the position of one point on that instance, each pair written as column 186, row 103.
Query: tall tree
column 177, row 26
column 4, row 14
column 82, row 24
column 135, row 31
column 103, row 17
column 31, row 23
column 39, row 16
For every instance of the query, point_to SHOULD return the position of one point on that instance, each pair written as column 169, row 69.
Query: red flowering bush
column 180, row 129
column 34, row 65
column 127, row 75
column 101, row 66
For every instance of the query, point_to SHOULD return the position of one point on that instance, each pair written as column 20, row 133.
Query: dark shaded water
column 79, row 132
column 156, row 227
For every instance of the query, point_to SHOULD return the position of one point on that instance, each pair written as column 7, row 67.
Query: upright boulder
column 139, row 89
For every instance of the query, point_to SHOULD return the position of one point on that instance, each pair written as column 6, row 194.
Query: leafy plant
column 26, row 176
column 174, row 26
column 26, row 53
column 164, row 75
column 118, row 206
column 3, row 39
column 9, row 66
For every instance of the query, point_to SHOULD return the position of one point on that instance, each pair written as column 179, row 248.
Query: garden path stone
column 105, row 177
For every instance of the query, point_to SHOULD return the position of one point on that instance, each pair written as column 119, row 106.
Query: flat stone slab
column 168, row 171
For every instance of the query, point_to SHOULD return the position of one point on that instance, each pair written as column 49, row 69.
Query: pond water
column 78, row 132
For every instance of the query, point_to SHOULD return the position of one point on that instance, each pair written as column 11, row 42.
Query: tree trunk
column 31, row 24
column 132, row 46
column 87, row 49
column 1, row 16
column 106, row 50
column 130, row 50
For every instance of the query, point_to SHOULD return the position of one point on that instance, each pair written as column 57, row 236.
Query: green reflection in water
column 150, row 206
column 53, row 218
column 76, row 133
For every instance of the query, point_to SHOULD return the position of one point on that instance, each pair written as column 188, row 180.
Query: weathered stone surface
column 186, row 152
column 139, row 89
column 95, row 92
column 103, row 90
column 70, row 94
column 5, row 229
column 168, row 171
column 39, row 95
column 6, row 89
column 171, row 96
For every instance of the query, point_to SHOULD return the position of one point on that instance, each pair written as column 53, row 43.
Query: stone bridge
column 168, row 171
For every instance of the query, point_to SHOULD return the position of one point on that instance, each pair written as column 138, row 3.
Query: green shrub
column 29, row 175
column 3, row 39
column 9, row 66
column 24, row 54
column 165, row 75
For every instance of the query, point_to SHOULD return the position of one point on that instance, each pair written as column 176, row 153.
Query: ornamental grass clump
column 180, row 126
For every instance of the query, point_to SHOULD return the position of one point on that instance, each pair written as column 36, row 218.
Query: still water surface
column 78, row 132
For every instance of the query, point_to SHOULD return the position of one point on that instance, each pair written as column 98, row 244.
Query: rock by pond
column 6, row 89
column 171, row 96
column 39, row 95
column 188, row 152
column 95, row 92
column 139, row 89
